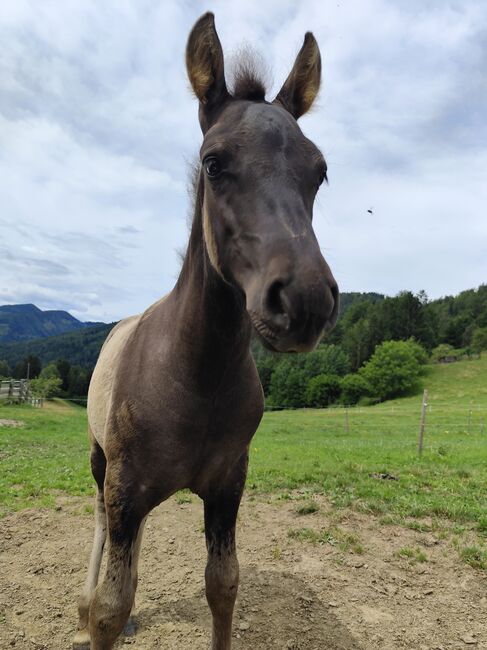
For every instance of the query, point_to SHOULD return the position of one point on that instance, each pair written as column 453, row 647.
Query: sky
column 98, row 130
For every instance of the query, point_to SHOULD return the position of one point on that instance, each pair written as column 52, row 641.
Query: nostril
column 274, row 302
column 277, row 305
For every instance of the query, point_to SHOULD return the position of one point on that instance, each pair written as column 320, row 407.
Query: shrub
column 443, row 350
column 353, row 388
column 290, row 376
column 326, row 360
column 322, row 390
column 394, row 368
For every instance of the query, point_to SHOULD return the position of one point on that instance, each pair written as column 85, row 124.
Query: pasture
column 346, row 536
column 340, row 453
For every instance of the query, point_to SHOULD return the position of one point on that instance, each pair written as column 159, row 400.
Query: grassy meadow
column 363, row 457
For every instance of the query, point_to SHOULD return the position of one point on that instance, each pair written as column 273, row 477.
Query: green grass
column 46, row 456
column 475, row 556
column 413, row 555
column 313, row 449
column 307, row 508
column 337, row 537
column 306, row 449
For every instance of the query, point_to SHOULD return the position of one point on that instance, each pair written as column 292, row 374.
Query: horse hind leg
column 98, row 465
column 131, row 625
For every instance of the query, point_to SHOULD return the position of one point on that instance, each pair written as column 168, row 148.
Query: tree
column 64, row 367
column 78, row 382
column 479, row 339
column 358, row 341
column 30, row 366
column 394, row 368
column 322, row 390
column 45, row 386
column 50, row 372
column 4, row 369
column 265, row 367
column 288, row 385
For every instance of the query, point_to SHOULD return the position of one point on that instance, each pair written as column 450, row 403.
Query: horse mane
column 248, row 75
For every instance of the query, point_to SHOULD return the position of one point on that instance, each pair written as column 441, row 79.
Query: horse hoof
column 130, row 628
column 82, row 640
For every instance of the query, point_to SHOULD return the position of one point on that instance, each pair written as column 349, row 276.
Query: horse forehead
column 258, row 125
column 266, row 118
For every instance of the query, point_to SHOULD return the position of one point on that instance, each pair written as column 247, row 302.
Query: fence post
column 422, row 422
column 347, row 427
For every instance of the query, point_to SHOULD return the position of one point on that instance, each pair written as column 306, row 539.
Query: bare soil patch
column 11, row 423
column 294, row 594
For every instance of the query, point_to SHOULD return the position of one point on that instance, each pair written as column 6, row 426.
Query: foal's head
column 261, row 176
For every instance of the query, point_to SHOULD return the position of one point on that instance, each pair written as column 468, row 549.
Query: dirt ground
column 294, row 595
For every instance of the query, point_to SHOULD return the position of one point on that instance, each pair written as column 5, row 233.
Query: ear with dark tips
column 301, row 87
column 204, row 62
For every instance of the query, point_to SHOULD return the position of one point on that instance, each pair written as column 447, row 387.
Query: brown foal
column 175, row 397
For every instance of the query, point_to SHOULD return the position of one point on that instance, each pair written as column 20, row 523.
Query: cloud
column 97, row 125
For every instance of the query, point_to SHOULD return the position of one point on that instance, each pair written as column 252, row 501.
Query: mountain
column 80, row 347
column 27, row 322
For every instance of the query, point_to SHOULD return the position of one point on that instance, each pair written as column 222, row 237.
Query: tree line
column 376, row 351
column 58, row 378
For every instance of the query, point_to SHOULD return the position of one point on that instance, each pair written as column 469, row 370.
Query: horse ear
column 204, row 62
column 301, row 87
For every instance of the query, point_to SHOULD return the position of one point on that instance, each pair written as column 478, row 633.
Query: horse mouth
column 266, row 333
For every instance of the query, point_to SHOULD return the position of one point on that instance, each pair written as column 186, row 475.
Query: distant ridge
column 28, row 322
column 80, row 347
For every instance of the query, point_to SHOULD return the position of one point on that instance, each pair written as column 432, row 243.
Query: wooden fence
column 15, row 390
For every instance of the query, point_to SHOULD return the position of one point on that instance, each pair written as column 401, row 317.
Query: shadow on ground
column 281, row 609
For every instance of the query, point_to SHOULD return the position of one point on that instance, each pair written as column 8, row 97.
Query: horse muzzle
column 291, row 314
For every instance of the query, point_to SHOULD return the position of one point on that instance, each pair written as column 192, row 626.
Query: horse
column 175, row 397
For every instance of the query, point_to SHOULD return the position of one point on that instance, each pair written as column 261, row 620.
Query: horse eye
column 212, row 166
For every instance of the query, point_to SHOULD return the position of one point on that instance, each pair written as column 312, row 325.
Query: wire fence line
column 394, row 425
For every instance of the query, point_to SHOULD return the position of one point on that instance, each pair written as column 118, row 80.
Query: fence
column 422, row 424
column 17, row 390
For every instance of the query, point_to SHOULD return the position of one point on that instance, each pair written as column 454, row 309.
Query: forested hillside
column 350, row 364
column 79, row 348
column 368, row 321
column 357, row 360
column 27, row 322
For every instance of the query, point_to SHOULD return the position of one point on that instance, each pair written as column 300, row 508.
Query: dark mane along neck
column 218, row 306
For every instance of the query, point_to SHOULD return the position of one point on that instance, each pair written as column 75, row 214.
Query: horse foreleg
column 114, row 596
column 222, row 572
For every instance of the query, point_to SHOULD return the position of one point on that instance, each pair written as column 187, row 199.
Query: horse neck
column 212, row 310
